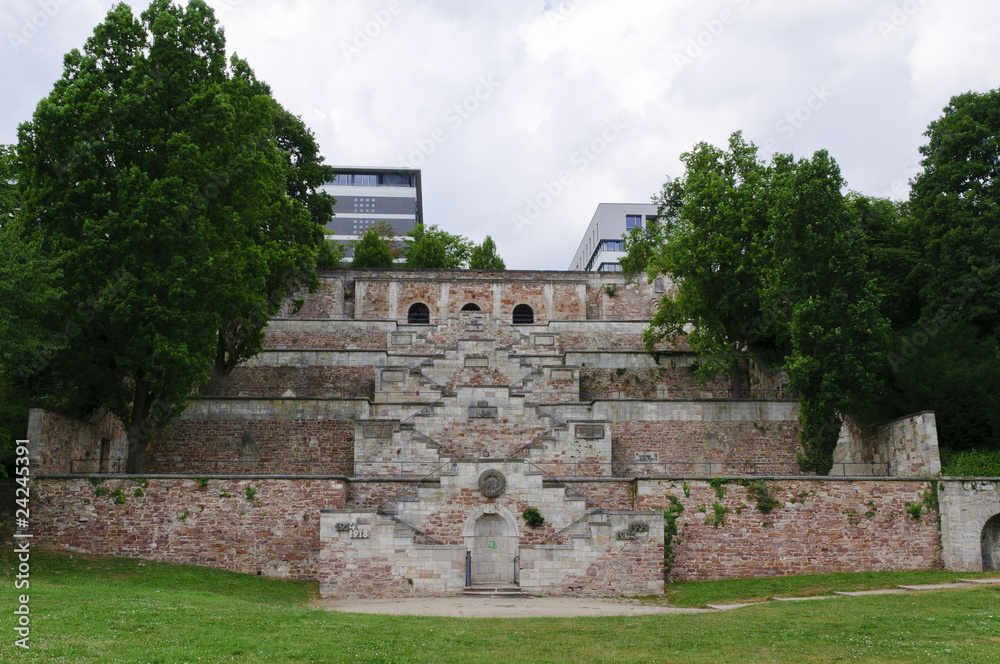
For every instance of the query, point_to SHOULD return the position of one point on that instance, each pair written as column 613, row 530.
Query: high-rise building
column 367, row 196
column 602, row 245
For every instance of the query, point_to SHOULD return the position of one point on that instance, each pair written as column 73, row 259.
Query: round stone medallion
column 492, row 483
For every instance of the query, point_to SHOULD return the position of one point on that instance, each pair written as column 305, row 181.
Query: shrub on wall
column 532, row 517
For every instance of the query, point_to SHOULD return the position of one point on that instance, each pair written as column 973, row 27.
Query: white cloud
column 375, row 79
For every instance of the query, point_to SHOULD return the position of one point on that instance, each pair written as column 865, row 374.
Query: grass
column 88, row 609
column 970, row 463
column 737, row 591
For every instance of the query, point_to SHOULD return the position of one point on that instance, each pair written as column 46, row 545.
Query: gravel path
column 497, row 607
column 568, row 607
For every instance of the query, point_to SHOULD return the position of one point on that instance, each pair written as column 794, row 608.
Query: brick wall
column 174, row 520
column 58, row 442
column 635, row 301
column 304, row 381
column 689, row 446
column 821, row 527
column 327, row 301
column 206, row 446
column 631, row 383
column 905, row 447
column 293, row 334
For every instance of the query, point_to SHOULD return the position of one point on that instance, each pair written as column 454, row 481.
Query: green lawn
column 88, row 609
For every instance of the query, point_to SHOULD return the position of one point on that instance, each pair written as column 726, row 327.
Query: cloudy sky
column 525, row 114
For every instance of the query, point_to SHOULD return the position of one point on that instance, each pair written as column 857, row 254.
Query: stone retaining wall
column 276, row 533
column 821, row 526
column 282, row 446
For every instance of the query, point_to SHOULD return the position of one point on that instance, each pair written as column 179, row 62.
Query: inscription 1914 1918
column 633, row 528
column 352, row 528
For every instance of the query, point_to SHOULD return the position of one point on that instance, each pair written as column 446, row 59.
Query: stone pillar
column 393, row 313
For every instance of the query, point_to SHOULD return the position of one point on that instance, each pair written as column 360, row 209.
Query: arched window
column 418, row 314
column 471, row 306
column 523, row 315
column 991, row 544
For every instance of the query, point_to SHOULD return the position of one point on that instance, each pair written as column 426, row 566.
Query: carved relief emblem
column 492, row 483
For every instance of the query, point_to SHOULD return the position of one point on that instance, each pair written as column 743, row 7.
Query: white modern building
column 366, row 196
column 602, row 245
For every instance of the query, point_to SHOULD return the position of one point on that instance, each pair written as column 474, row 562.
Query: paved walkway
column 503, row 607
column 565, row 607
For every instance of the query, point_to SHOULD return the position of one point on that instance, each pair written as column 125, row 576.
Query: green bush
column 970, row 463
column 532, row 517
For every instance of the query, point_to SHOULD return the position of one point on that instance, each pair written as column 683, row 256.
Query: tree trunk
column 738, row 377
column 136, row 464
column 220, row 358
column 138, row 431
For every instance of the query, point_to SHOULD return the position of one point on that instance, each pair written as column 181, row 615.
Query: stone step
column 499, row 591
column 984, row 581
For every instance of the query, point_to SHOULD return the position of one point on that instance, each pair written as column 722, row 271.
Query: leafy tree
column 372, row 251
column 27, row 298
column 957, row 375
column 892, row 255
column 424, row 252
column 9, row 199
column 154, row 177
column 284, row 219
column 331, row 254
column 484, row 256
column 955, row 202
column 770, row 260
column 715, row 218
column 818, row 266
column 642, row 244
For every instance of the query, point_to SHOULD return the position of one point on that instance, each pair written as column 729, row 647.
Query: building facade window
column 523, row 315
column 633, row 221
column 471, row 306
column 418, row 314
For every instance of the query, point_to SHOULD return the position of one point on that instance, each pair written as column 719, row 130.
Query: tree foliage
column 433, row 248
column 768, row 260
column 179, row 203
column 818, row 268
column 712, row 223
column 955, row 202
column 484, row 256
column 372, row 251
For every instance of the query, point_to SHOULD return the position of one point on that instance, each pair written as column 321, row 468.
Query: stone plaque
column 477, row 361
column 401, row 339
column 492, row 483
column 378, row 431
column 590, row 431
column 647, row 457
column 482, row 410
column 545, row 340
column 562, row 375
column 393, row 376
column 658, row 285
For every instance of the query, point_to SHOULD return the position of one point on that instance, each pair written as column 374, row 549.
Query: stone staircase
column 496, row 591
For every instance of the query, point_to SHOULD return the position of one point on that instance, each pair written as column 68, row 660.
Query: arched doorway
column 991, row 544
column 418, row 314
column 492, row 551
